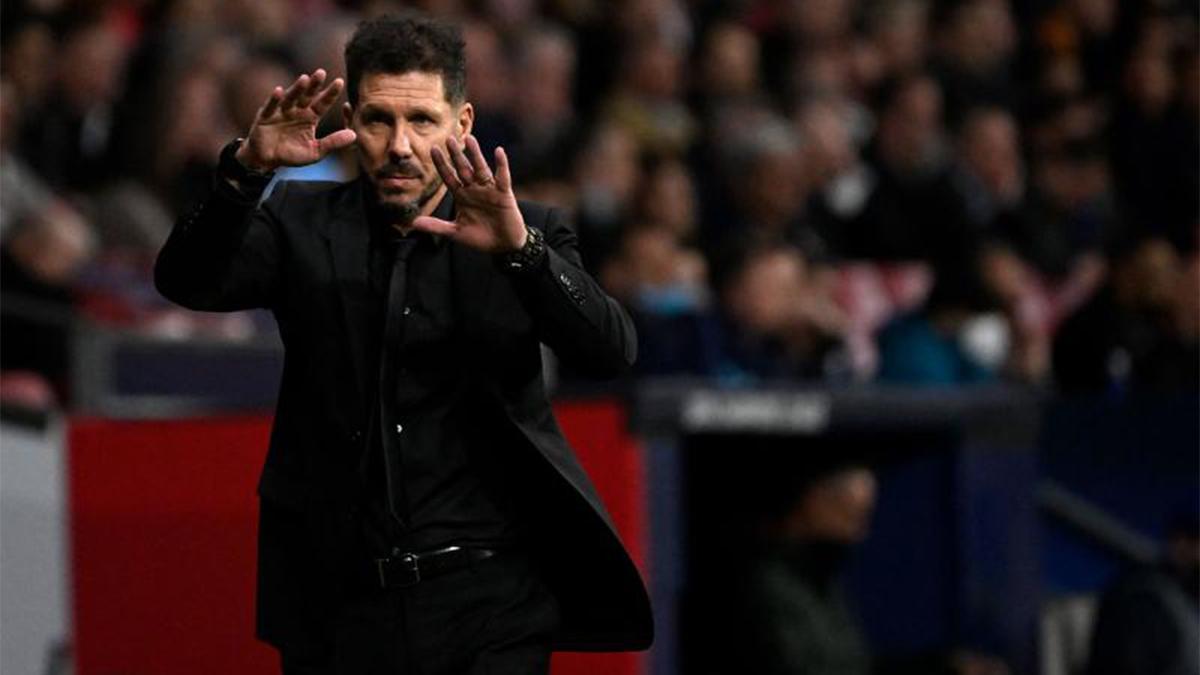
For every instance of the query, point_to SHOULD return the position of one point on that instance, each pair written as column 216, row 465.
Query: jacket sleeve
column 573, row 315
column 225, row 254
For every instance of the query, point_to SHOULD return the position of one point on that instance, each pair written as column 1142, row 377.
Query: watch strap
column 248, row 180
column 531, row 256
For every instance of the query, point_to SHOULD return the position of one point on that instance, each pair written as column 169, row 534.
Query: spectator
column 646, row 100
column 729, row 65
column 607, row 173
column 1139, row 331
column 39, row 260
column 1147, row 623
column 841, row 181
column 1156, row 139
column 765, row 174
column 67, row 140
column 796, row 619
column 779, row 317
column 899, row 29
column 976, row 42
column 24, row 192
column 547, row 125
column 490, row 86
column 906, row 213
column 663, row 279
column 960, row 337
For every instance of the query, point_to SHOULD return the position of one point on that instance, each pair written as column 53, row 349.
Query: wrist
column 246, row 180
column 522, row 241
column 249, row 161
column 530, row 256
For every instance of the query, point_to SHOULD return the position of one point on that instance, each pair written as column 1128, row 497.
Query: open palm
column 486, row 212
column 284, row 132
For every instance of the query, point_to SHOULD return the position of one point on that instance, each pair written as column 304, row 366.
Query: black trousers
column 493, row 618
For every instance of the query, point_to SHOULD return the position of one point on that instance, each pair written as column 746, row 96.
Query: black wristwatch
column 248, row 180
column 529, row 257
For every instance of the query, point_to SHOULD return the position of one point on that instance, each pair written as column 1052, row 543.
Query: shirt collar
column 382, row 231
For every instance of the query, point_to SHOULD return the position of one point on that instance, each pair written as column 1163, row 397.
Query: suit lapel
column 349, row 240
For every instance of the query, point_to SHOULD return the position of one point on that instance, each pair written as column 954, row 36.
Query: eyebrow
column 416, row 107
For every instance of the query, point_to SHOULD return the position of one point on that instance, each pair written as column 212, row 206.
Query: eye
column 375, row 119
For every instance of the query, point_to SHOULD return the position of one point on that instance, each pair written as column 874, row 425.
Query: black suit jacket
column 303, row 254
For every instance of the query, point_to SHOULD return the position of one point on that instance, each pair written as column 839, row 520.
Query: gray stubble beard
column 404, row 213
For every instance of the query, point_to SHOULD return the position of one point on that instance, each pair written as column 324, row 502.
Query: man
column 797, row 619
column 421, row 512
column 1147, row 620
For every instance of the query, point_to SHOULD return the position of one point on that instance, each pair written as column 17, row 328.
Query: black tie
column 390, row 359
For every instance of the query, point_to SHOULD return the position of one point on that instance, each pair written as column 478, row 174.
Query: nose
column 400, row 147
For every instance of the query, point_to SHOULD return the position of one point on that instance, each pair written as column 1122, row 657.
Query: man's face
column 399, row 118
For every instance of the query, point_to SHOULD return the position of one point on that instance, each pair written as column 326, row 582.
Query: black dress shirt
column 430, row 479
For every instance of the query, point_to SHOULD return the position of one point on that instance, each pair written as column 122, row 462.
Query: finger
column 483, row 173
column 336, row 141
column 328, row 97
column 315, row 81
column 293, row 92
column 503, row 173
column 447, row 172
column 272, row 103
column 465, row 172
column 435, row 226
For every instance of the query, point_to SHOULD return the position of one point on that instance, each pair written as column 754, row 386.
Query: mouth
column 398, row 181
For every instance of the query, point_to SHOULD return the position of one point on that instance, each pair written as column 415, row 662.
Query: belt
column 402, row 570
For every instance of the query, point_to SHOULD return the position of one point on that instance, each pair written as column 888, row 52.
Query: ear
column 348, row 115
column 466, row 119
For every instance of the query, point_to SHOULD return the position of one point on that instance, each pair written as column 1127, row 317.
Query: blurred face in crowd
column 546, row 73
column 1097, row 17
column 1149, row 279
column 825, row 72
column 28, row 56
column 981, row 35
column 90, row 67
column 198, row 125
column 764, row 296
column 730, row 63
column 489, row 85
column 990, row 149
column 399, row 119
column 837, row 507
column 55, row 245
column 820, row 21
column 774, row 186
column 910, row 130
column 829, row 149
column 1149, row 81
column 608, row 169
column 269, row 21
column 899, row 30
column 655, row 69
column 669, row 198
column 1072, row 183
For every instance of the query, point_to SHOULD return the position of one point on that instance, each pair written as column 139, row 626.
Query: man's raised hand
column 486, row 213
column 284, row 132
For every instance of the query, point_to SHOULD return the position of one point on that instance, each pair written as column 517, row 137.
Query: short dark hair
column 406, row 43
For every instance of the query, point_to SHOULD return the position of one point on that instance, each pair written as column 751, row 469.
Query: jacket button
column 355, row 436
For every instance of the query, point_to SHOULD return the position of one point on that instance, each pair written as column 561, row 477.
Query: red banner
column 163, row 528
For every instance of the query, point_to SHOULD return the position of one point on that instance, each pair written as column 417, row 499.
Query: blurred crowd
column 903, row 191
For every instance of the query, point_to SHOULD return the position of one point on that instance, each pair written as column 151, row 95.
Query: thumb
column 435, row 226
column 336, row 141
